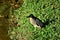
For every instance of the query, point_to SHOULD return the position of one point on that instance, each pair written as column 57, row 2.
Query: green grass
column 43, row 9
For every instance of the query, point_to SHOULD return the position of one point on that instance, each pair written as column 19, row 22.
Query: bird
column 36, row 22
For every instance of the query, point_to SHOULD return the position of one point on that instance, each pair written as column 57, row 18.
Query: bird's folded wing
column 39, row 22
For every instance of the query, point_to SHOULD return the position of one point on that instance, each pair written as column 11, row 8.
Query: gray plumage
column 35, row 21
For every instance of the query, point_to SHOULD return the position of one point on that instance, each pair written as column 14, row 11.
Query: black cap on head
column 31, row 15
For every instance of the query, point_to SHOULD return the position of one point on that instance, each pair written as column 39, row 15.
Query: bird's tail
column 48, row 21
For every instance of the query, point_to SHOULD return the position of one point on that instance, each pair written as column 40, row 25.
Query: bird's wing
column 39, row 22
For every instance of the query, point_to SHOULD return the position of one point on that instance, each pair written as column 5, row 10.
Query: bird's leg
column 35, row 28
column 39, row 27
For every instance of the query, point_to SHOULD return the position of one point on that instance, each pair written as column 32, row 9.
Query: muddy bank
column 4, row 23
column 5, row 6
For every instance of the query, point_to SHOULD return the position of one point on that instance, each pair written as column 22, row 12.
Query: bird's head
column 31, row 15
